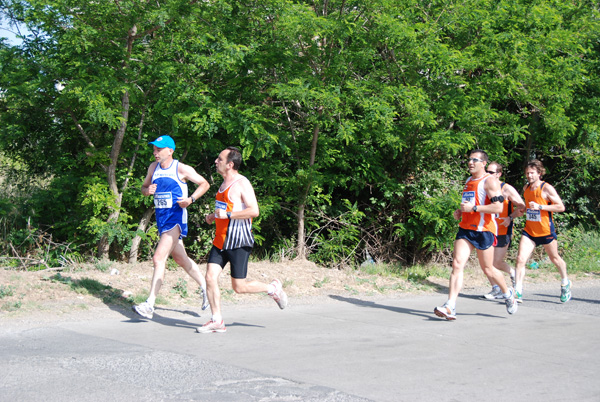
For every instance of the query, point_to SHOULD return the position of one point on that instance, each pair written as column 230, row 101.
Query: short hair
column 498, row 166
column 234, row 156
column 482, row 152
column 537, row 165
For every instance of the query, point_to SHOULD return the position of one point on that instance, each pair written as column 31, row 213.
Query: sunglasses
column 491, row 172
column 474, row 160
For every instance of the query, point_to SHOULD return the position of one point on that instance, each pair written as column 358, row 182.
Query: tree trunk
column 301, row 246
column 103, row 244
column 135, row 244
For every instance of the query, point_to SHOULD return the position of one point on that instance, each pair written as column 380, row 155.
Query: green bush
column 580, row 248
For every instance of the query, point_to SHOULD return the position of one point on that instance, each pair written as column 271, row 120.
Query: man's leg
column 462, row 251
column 500, row 259
column 565, row 286
column 552, row 251
column 213, row 272
column 180, row 256
column 163, row 249
column 486, row 262
column 526, row 247
column 500, row 264
column 216, row 323
column 248, row 286
column 167, row 242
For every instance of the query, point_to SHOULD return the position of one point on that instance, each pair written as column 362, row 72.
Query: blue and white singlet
column 169, row 188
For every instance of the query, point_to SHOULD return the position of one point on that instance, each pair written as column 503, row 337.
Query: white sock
column 506, row 295
column 150, row 300
column 451, row 304
column 217, row 318
column 512, row 272
column 271, row 289
column 565, row 282
column 519, row 288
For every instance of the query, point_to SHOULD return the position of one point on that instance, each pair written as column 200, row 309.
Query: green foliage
column 319, row 284
column 102, row 265
column 353, row 117
column 6, row 291
column 180, row 288
column 580, row 248
column 336, row 240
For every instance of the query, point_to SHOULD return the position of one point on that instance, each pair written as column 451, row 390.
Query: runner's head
column 495, row 168
column 234, row 156
column 537, row 165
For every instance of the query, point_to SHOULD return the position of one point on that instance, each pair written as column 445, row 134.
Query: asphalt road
column 343, row 349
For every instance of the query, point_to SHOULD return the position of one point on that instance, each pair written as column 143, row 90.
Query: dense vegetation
column 354, row 117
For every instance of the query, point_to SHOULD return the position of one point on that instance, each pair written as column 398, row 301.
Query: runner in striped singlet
column 235, row 207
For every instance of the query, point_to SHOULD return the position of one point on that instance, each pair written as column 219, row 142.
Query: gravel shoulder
column 84, row 292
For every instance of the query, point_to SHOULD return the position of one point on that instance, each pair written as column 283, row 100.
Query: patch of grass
column 181, row 288
column 102, row 265
column 287, row 283
column 142, row 297
column 381, row 269
column 172, row 265
column 351, row 290
column 228, row 294
column 12, row 306
column 418, row 274
column 319, row 284
column 6, row 291
column 580, row 248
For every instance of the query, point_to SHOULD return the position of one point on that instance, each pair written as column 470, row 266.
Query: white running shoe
column 494, row 294
column 511, row 302
column 445, row 312
column 205, row 303
column 279, row 295
column 212, row 326
column 144, row 309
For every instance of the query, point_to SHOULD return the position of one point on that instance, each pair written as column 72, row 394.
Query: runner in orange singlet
column 481, row 199
column 235, row 207
column 512, row 203
column 542, row 201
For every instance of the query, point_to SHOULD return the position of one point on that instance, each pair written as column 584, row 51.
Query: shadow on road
column 429, row 315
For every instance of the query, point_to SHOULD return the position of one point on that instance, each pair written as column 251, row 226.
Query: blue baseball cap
column 164, row 141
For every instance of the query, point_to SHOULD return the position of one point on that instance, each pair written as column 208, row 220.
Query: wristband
column 228, row 215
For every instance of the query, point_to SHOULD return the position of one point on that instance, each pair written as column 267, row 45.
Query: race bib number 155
column 163, row 200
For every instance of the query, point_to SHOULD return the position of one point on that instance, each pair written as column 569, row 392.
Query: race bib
column 534, row 215
column 220, row 205
column 468, row 196
column 163, row 200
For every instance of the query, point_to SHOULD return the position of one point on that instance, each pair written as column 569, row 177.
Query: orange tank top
column 507, row 209
column 231, row 233
column 538, row 223
column 474, row 192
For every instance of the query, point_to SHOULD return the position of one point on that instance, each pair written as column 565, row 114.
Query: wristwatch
column 193, row 199
column 229, row 215
column 475, row 208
